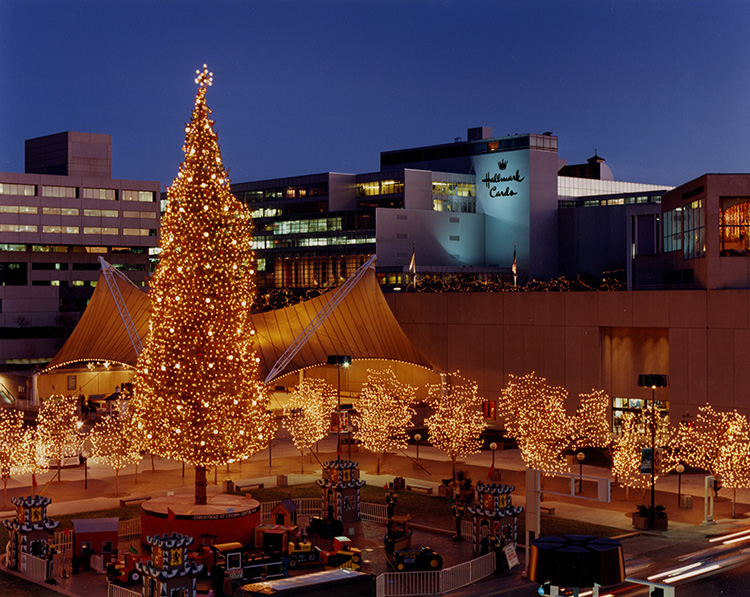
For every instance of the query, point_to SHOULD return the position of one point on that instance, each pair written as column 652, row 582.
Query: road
column 711, row 567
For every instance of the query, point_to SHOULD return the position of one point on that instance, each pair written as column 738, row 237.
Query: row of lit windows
column 29, row 190
column 268, row 212
column 57, row 229
column 379, row 187
column 262, row 242
column 459, row 189
column 292, row 192
column 454, row 205
column 304, row 226
column 684, row 228
column 72, row 211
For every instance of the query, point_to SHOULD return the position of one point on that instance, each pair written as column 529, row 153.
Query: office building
column 56, row 219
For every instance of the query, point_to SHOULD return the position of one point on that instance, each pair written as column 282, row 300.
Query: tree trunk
column 379, row 457
column 59, row 469
column 453, row 468
column 153, row 466
column 200, row 485
column 117, row 482
column 302, row 467
column 5, row 490
column 734, row 503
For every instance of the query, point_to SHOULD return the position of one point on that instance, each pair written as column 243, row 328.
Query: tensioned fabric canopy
column 361, row 326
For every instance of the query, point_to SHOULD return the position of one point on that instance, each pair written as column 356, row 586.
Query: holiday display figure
column 341, row 485
column 169, row 572
column 495, row 518
column 30, row 533
column 458, row 511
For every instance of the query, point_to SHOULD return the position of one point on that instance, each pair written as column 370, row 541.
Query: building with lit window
column 56, row 219
column 464, row 207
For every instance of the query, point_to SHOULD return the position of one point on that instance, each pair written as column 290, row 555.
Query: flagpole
column 514, row 268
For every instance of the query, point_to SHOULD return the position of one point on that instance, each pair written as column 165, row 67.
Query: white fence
column 118, row 591
column 305, row 507
column 129, row 529
column 395, row 584
column 64, row 542
column 374, row 512
column 34, row 567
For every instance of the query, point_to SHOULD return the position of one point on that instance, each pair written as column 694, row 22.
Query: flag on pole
column 33, row 481
column 170, row 515
column 133, row 550
column 492, row 470
column 413, row 262
column 514, row 267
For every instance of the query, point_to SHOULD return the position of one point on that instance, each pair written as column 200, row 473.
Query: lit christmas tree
column 115, row 442
column 457, row 424
column 197, row 394
column 57, row 430
column 384, row 412
column 307, row 414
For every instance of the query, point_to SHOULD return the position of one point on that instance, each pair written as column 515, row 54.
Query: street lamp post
column 580, row 456
column 417, row 438
column 340, row 360
column 493, row 447
column 653, row 381
column 85, row 454
column 680, row 469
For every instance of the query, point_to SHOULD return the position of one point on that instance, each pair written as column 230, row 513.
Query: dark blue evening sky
column 660, row 88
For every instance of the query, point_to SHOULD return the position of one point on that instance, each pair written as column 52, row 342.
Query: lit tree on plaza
column 590, row 426
column 197, row 394
column 384, row 412
column 626, row 455
column 534, row 414
column 457, row 424
column 115, row 442
column 11, row 444
column 635, row 436
column 57, row 430
column 307, row 414
column 719, row 442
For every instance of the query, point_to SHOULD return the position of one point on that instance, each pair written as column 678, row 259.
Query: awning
column 362, row 326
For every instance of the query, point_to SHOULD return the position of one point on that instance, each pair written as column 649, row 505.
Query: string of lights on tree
column 12, row 457
column 718, row 442
column 384, row 413
column 456, row 425
column 197, row 393
column 57, row 429
column 533, row 412
column 307, row 413
column 590, row 425
column 116, row 441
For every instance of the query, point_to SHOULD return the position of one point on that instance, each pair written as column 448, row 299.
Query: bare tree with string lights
column 307, row 413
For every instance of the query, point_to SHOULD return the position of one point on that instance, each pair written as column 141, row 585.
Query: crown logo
column 502, row 164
